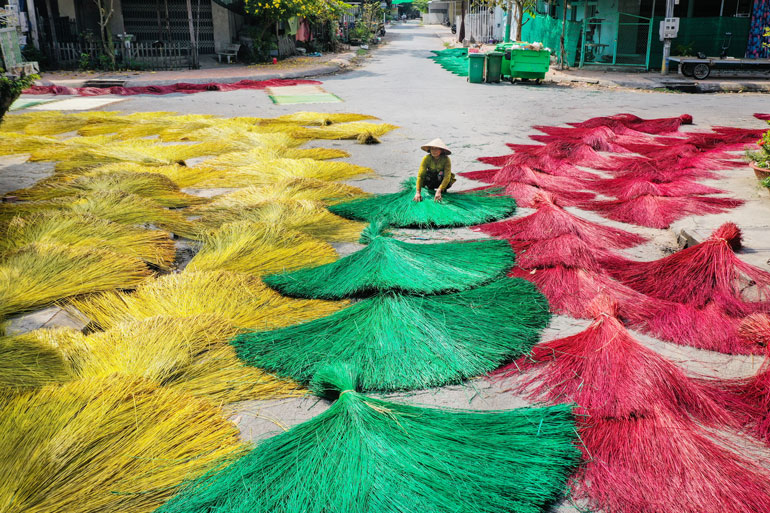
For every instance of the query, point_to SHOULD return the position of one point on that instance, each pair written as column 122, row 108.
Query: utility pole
column 563, row 31
column 508, row 14
column 666, row 37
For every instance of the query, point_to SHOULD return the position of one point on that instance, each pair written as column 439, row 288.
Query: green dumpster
column 505, row 67
column 494, row 63
column 476, row 67
column 529, row 64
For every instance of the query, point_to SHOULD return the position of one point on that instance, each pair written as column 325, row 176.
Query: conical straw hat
column 436, row 143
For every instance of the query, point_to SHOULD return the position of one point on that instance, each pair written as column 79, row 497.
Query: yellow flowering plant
column 281, row 10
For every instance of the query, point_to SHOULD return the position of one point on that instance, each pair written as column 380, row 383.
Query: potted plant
column 759, row 159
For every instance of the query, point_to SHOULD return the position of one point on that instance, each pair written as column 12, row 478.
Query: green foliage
column 10, row 89
column 390, row 265
column 761, row 156
column 766, row 182
column 685, row 49
column 456, row 209
column 398, row 342
column 367, row 455
column 282, row 10
column 421, row 5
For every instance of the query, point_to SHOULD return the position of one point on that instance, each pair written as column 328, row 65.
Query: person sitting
column 435, row 170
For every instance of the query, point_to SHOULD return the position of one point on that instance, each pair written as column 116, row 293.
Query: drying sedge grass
column 316, row 118
column 39, row 274
column 187, row 353
column 72, row 147
column 118, row 207
column 364, row 133
column 27, row 363
column 182, row 176
column 145, row 124
column 408, row 342
column 387, row 264
column 15, row 122
column 271, row 171
column 399, row 209
column 244, row 301
column 84, row 231
column 12, row 143
column 288, row 189
column 109, row 445
column 140, row 151
column 368, row 455
column 149, row 185
column 306, row 216
column 256, row 249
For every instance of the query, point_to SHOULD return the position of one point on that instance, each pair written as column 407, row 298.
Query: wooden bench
column 229, row 50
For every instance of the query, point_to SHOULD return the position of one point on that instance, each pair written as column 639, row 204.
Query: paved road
column 401, row 86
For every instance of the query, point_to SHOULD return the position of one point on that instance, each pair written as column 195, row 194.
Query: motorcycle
column 454, row 28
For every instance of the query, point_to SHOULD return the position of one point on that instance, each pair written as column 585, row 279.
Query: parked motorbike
column 454, row 28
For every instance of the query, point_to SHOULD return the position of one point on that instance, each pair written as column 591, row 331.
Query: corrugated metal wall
column 141, row 19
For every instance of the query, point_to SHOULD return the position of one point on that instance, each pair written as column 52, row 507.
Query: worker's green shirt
column 432, row 165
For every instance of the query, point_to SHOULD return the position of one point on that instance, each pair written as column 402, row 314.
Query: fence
column 483, row 25
column 166, row 56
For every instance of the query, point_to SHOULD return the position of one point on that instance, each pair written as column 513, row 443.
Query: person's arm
column 447, row 175
column 421, row 173
column 420, row 177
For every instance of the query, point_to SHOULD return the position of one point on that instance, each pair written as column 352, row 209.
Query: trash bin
column 505, row 49
column 529, row 64
column 476, row 63
column 494, row 63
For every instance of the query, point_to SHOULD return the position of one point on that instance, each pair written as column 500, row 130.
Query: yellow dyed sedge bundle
column 273, row 170
column 244, row 301
column 362, row 132
column 257, row 249
column 111, row 445
column 186, row 353
column 288, row 189
column 309, row 217
column 315, row 118
column 155, row 186
column 114, row 206
column 182, row 176
column 88, row 231
column 28, row 362
column 39, row 274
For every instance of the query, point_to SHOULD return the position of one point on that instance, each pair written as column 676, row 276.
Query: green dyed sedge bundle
column 366, row 455
column 406, row 342
column 456, row 209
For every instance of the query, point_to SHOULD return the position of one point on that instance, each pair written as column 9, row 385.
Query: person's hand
column 437, row 198
column 418, row 196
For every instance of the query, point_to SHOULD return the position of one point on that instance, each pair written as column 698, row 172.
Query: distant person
column 435, row 170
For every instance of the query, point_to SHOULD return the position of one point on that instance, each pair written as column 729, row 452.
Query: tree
column 10, row 89
column 106, row 11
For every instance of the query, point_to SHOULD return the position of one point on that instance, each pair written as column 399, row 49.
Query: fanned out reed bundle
column 667, row 464
column 63, row 148
column 390, row 265
column 18, row 122
column 749, row 397
column 309, row 217
column 288, row 189
column 144, row 124
column 114, row 206
column 566, row 250
column 648, row 126
column 258, row 248
column 628, row 187
column 551, row 220
column 233, row 135
column 610, row 375
column 701, row 274
column 242, row 300
column 573, row 151
column 190, row 354
column 408, row 342
column 246, row 154
column 600, row 138
column 27, row 363
column 155, row 186
column 271, row 171
column 571, row 289
column 53, row 122
column 526, row 195
column 83, row 230
column 39, row 274
column 399, row 209
column 108, row 445
column 182, row 176
column 316, row 118
column 552, row 164
column 368, row 455
column 12, row 143
column 361, row 131
column 659, row 211
column 140, row 151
